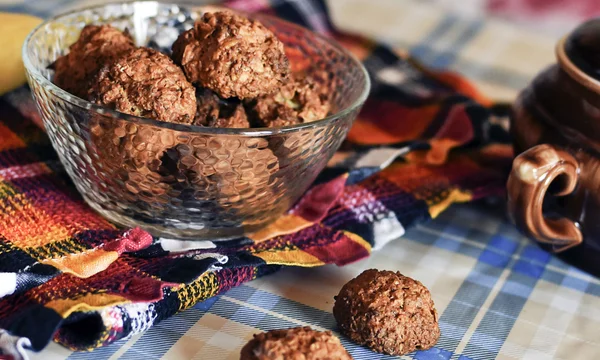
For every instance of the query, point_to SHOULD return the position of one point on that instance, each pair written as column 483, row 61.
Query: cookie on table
column 388, row 312
column 96, row 47
column 301, row 343
column 232, row 55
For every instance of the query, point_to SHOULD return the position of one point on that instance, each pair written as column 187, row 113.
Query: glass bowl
column 235, row 181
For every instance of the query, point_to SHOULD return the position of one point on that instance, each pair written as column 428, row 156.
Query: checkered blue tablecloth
column 498, row 294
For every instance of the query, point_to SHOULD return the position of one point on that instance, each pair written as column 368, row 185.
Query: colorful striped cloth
column 424, row 140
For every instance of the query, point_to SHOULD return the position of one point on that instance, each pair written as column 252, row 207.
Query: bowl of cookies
column 189, row 121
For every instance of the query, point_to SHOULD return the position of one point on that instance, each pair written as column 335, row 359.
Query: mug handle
column 532, row 173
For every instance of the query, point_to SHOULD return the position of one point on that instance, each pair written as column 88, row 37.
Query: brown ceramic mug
column 554, row 185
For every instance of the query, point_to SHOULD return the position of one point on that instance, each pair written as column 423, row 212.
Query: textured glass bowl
column 187, row 181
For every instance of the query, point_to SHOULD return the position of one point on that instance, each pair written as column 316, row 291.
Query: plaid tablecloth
column 498, row 294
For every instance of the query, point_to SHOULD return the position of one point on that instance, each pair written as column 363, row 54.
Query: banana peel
column 14, row 29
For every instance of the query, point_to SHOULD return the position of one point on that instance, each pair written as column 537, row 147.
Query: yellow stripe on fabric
column 454, row 196
column 6, row 190
column 294, row 257
column 88, row 302
column 284, row 225
column 7, row 247
column 359, row 240
column 201, row 289
column 56, row 249
column 85, row 264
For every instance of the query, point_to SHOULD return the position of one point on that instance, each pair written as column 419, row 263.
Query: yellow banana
column 14, row 28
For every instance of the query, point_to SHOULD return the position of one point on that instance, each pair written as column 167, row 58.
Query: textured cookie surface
column 97, row 46
column 388, row 312
column 302, row 100
column 216, row 112
column 232, row 55
column 146, row 83
column 300, row 343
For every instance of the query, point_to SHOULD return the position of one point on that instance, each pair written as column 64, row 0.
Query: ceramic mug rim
column 573, row 70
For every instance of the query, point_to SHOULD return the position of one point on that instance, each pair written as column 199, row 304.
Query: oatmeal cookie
column 216, row 112
column 388, row 312
column 301, row 343
column 96, row 47
column 302, row 100
column 146, row 83
column 232, row 55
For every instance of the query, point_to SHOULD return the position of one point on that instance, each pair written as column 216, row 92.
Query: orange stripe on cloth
column 29, row 222
column 386, row 122
column 414, row 177
column 83, row 262
column 9, row 140
column 86, row 264
column 358, row 46
column 463, row 86
column 438, row 154
column 454, row 196
column 299, row 61
column 88, row 302
column 286, row 224
column 26, row 225
column 291, row 257
column 495, row 155
column 455, row 81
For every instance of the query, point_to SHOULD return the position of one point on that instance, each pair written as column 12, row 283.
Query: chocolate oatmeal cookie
column 146, row 83
column 388, row 312
column 302, row 100
column 216, row 112
column 301, row 343
column 232, row 55
column 96, row 47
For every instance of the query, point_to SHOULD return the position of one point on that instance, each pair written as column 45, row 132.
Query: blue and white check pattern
column 498, row 294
